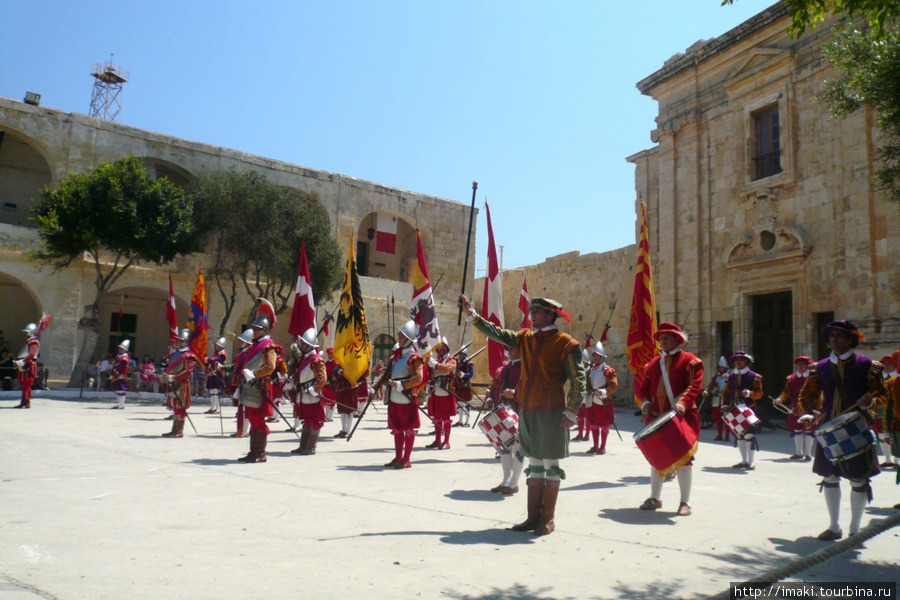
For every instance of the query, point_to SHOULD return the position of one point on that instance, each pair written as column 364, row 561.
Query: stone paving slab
column 95, row 504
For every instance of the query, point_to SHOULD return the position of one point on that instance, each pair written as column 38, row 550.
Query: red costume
column 28, row 370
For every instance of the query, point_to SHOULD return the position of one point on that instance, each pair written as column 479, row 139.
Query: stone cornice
column 693, row 57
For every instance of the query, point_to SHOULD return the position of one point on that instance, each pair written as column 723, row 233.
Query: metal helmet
column 598, row 349
column 246, row 337
column 262, row 323
column 184, row 336
column 31, row 329
column 410, row 330
column 309, row 336
column 125, row 345
column 723, row 362
column 220, row 342
column 585, row 356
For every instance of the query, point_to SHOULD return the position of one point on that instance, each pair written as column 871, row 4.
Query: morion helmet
column 220, row 342
column 598, row 349
column 31, row 329
column 125, row 345
column 410, row 330
column 309, row 336
column 246, row 337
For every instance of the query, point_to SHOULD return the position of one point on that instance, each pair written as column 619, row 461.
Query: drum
column 846, row 436
column 668, row 443
column 741, row 420
column 501, row 426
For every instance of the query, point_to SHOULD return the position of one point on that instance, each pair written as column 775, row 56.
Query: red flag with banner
column 303, row 315
column 524, row 304
column 642, row 347
column 170, row 313
column 492, row 302
column 197, row 323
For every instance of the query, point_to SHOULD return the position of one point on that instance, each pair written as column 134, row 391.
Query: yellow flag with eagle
column 351, row 339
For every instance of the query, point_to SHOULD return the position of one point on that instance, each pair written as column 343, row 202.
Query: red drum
column 501, row 427
column 741, row 420
column 668, row 443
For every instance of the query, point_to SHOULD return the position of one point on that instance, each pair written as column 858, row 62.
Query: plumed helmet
column 410, row 330
column 723, row 362
column 125, row 345
column 262, row 323
column 184, row 335
column 220, row 342
column 309, row 336
column 246, row 337
column 598, row 349
column 31, row 329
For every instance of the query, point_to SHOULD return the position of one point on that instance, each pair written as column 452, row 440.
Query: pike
column 468, row 245
column 606, row 327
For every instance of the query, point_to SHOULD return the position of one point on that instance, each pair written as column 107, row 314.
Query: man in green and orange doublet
column 550, row 358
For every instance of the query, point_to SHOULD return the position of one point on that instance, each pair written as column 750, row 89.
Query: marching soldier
column 215, row 378
column 404, row 378
column 119, row 376
column 256, row 394
column 178, row 376
column 843, row 381
column 715, row 389
column 743, row 386
column 233, row 388
column 602, row 383
column 441, row 402
column 801, row 425
column 462, row 388
column 309, row 379
column 27, row 364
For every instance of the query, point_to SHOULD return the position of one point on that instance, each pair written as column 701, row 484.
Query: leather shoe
column 684, row 509
column 651, row 504
column 740, row 465
column 718, row 438
column 496, row 490
column 751, row 467
column 591, row 451
column 393, row 462
column 445, row 446
column 601, row 451
column 434, row 444
column 509, row 491
column 403, row 464
column 829, row 535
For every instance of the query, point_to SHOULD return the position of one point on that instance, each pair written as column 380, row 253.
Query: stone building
column 764, row 223
column 39, row 145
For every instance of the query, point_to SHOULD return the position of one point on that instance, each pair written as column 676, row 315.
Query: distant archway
column 160, row 168
column 20, row 307
column 137, row 314
column 24, row 171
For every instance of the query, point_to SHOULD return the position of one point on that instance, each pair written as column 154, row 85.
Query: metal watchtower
column 106, row 100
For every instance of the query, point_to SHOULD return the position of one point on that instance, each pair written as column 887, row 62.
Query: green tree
column 254, row 230
column 867, row 59
column 115, row 216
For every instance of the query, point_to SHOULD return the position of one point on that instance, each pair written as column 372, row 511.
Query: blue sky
column 535, row 101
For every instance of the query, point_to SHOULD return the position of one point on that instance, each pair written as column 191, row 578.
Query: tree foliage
column 118, row 215
column 807, row 13
column 254, row 229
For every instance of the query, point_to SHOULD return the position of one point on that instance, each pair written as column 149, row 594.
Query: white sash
column 665, row 378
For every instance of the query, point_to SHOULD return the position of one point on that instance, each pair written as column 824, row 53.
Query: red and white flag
column 170, row 313
column 303, row 315
column 524, row 303
column 492, row 302
column 386, row 235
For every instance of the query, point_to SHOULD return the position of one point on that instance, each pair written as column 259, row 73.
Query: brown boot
column 551, row 491
column 304, row 441
column 177, row 429
column 257, row 447
column 311, row 442
column 535, row 502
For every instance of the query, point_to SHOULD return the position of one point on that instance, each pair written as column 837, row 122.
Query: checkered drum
column 501, row 426
column 845, row 436
column 740, row 419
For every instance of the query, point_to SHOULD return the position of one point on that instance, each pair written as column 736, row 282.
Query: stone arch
column 396, row 266
column 25, row 168
column 143, row 321
column 21, row 306
column 160, row 168
column 381, row 347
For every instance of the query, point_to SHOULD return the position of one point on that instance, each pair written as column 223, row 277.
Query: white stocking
column 859, row 497
column 120, row 396
column 798, row 444
column 833, row 502
column 685, row 475
column 518, row 463
column 506, row 460
column 214, row 401
column 743, row 447
column 655, row 485
column 810, row 441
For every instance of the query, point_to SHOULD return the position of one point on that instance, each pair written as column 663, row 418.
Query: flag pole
column 468, row 245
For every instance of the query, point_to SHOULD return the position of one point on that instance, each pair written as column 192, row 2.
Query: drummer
column 801, row 425
column 685, row 379
column 743, row 386
column 882, row 426
column 502, row 393
column 859, row 385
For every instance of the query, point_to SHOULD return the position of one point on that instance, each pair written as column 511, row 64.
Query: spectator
column 103, row 371
column 7, row 370
column 148, row 377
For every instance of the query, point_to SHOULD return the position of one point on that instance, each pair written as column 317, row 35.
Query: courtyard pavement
column 94, row 504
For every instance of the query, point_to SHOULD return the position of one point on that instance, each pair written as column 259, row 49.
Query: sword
column 360, row 418
column 286, row 422
column 609, row 414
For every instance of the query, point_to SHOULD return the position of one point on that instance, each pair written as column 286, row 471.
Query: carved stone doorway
column 773, row 343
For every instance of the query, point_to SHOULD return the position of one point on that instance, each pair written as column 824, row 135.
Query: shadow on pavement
column 493, row 537
column 725, row 470
column 636, row 516
column 213, row 462
column 474, row 496
column 594, row 485
column 635, row 480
